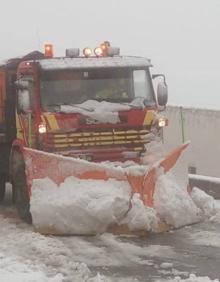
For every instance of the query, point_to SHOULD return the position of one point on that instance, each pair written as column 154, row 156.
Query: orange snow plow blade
column 145, row 184
column 39, row 165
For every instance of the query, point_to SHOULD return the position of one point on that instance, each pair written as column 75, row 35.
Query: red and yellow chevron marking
column 20, row 129
column 149, row 117
column 51, row 121
column 55, row 124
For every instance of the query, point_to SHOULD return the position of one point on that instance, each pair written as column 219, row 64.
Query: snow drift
column 192, row 278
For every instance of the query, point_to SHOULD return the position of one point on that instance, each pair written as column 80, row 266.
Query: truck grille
column 84, row 140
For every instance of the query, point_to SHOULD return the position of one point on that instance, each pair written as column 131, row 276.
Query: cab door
column 2, row 106
column 25, row 111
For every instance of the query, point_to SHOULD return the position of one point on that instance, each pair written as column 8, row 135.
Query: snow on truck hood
column 103, row 111
column 88, row 63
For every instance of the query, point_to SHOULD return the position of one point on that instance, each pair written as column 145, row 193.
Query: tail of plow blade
column 58, row 168
column 145, row 184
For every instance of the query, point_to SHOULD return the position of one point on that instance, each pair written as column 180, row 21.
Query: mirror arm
column 159, row 75
column 21, row 85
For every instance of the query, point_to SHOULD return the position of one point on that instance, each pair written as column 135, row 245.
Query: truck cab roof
column 94, row 62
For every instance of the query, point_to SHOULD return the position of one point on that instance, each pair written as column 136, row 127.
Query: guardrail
column 211, row 185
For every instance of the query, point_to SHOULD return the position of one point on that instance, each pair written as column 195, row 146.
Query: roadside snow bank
column 216, row 217
column 205, row 202
column 78, row 206
column 173, row 203
column 13, row 270
column 192, row 278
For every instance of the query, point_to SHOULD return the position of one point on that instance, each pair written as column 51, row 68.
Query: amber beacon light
column 48, row 50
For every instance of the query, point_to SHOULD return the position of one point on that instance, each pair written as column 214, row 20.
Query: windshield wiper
column 82, row 108
column 130, row 105
column 145, row 101
column 115, row 101
column 67, row 104
column 55, row 107
column 135, row 106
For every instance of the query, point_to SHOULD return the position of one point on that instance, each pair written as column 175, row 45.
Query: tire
column 21, row 196
column 2, row 187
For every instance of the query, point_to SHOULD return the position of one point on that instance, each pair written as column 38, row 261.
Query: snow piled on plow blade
column 72, row 196
column 92, row 206
column 78, row 206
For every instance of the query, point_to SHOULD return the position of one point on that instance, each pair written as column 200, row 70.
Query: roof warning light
column 48, row 50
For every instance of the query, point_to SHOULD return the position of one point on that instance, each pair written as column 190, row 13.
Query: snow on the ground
column 110, row 250
column 11, row 269
column 32, row 257
column 27, row 256
column 209, row 206
column 192, row 278
column 216, row 217
column 206, row 238
column 205, row 202
column 173, row 203
column 211, row 211
column 166, row 265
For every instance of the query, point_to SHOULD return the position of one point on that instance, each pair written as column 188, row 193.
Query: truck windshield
column 68, row 87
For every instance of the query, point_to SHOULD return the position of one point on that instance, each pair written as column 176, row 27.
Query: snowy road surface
column 28, row 256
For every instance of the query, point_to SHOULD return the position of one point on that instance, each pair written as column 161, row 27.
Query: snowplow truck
column 55, row 111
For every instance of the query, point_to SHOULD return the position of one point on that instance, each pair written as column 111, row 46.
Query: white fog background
column 182, row 37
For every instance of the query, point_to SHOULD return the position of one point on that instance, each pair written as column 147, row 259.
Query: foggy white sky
column 182, row 37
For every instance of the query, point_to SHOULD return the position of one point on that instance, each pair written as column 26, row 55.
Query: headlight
column 42, row 128
column 162, row 122
column 98, row 52
column 87, row 52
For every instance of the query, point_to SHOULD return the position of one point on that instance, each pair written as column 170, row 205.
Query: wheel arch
column 21, row 192
column 17, row 146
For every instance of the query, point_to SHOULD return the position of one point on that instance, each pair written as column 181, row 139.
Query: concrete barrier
column 210, row 185
column 201, row 127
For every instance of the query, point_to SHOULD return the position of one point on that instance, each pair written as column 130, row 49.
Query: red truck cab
column 99, row 108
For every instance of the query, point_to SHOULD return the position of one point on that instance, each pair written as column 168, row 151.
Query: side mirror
column 23, row 101
column 22, row 84
column 162, row 94
column 162, row 90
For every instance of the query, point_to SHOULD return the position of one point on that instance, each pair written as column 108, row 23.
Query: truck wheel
column 21, row 196
column 2, row 187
